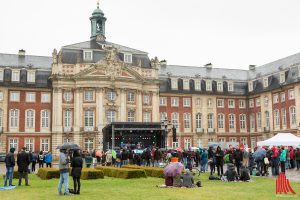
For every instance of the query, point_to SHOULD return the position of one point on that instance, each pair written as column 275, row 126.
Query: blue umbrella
column 259, row 154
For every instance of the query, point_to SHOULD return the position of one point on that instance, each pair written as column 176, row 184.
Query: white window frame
column 208, row 84
column 29, row 144
column 220, row 103
column 219, row 86
column 266, row 82
column 283, row 117
column 146, row 99
column 131, row 116
column 210, row 120
column 89, row 95
column 45, row 117
column 276, row 118
column 231, row 119
column 174, row 84
column 130, row 97
column 257, row 102
column 187, row 143
column 221, row 121
column 186, row 102
column 30, row 119
column 209, row 103
column 1, row 75
column 174, row 101
column 252, row 121
column 1, row 96
column 15, row 75
column 30, row 97
column 87, row 52
column 13, row 143
column 266, row 101
column 89, row 144
column 14, row 96
column 68, row 96
column 250, row 86
column 128, row 58
column 175, row 119
column 251, row 103
column 46, row 97
column 242, row 103
column 89, row 118
column 197, row 85
column 111, row 95
column 231, row 103
column 68, row 118
column 293, row 118
column 230, row 87
column 198, row 120
column 282, row 77
column 242, row 121
column 44, row 144
column 259, row 120
column 163, row 116
column 267, row 117
column 146, row 117
column 162, row 101
column 31, row 76
column 282, row 96
column 186, row 84
column 275, row 98
column 14, row 118
column 291, row 94
column 187, row 120
column 111, row 116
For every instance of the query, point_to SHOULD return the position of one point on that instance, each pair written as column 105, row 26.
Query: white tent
column 281, row 139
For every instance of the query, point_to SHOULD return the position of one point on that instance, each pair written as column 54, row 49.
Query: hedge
column 150, row 171
column 122, row 172
column 87, row 173
column 15, row 175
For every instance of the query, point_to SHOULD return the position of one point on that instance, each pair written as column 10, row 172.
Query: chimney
column 252, row 67
column 163, row 63
column 22, row 52
column 208, row 66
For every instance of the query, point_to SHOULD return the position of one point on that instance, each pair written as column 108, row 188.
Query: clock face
column 100, row 38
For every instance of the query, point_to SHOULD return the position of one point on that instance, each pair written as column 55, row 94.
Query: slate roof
column 14, row 60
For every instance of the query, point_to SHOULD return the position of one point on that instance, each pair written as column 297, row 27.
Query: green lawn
column 142, row 189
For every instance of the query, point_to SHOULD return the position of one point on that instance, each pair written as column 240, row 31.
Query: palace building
column 99, row 94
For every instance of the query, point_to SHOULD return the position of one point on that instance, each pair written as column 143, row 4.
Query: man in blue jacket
column 10, row 163
column 48, row 159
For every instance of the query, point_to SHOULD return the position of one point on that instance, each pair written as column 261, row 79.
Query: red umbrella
column 173, row 169
column 178, row 149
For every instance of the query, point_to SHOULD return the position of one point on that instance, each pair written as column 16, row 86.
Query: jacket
column 23, row 161
column 238, row 155
column 48, row 158
column 9, row 160
column 219, row 157
column 283, row 156
column 297, row 155
column 63, row 165
column 245, row 174
column 231, row 173
column 76, row 166
column 187, row 180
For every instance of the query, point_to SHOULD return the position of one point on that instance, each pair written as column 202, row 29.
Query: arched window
column 242, row 121
column 44, row 118
column 186, row 118
column 175, row 119
column 210, row 120
column 231, row 121
column 293, row 115
column 276, row 118
column 267, row 116
column 30, row 118
column 220, row 121
column 68, row 118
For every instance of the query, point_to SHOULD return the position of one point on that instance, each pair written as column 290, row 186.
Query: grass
column 145, row 188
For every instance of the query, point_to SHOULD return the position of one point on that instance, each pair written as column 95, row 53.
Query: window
column 88, row 55
column 187, row 119
column 186, row 102
column 163, row 101
column 250, row 86
column 67, row 140
column 231, row 103
column 232, row 139
column 130, row 97
column 174, row 101
column 14, row 118
column 257, row 102
column 275, row 98
column 276, row 118
column 283, row 117
column 209, row 103
column 198, row 102
column 210, row 140
column 45, row 119
column 30, row 97
column 14, row 96
column 13, row 143
column 222, row 139
column 130, row 116
column 293, row 115
column 197, row 85
column 1, row 96
column 266, row 82
column 186, row 84
column 175, row 144
column 45, row 98
column 243, row 141
column 44, row 144
column 111, row 116
column 1, row 75
column 88, row 95
column 88, row 118
column 242, row 121
column 68, row 118
column 291, row 94
column 111, row 96
column 242, row 103
column 230, row 87
column 1, row 118
column 146, row 117
column 15, row 76
column 251, row 103
column 127, row 58
column 88, row 144
column 146, row 99
column 163, row 116
column 220, row 121
column 174, row 84
column 29, row 144
column 175, row 119
column 208, row 85
column 198, row 120
column 187, row 143
column 68, row 96
column 30, row 76
column 252, row 121
column 267, row 116
column 266, row 99
column 282, row 96
column 231, row 121
column 210, row 120
column 219, row 86
column 282, row 77
column 30, row 119
column 258, row 120
column 220, row 103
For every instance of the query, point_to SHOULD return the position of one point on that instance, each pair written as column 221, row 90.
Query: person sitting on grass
column 187, row 179
column 231, row 174
column 177, row 181
column 245, row 174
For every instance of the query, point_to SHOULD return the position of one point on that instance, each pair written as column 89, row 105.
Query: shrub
column 15, row 175
column 122, row 172
column 88, row 173
column 48, row 173
column 150, row 171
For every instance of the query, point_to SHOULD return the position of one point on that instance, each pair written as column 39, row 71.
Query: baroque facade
column 74, row 94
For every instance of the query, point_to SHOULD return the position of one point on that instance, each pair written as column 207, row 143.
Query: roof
column 14, row 60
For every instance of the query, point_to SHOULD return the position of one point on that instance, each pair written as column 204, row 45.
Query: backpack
column 198, row 184
column 211, row 177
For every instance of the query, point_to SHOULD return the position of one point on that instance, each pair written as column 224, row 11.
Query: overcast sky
column 226, row 33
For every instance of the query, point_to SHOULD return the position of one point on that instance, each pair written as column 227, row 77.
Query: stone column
column 100, row 118
column 139, row 107
column 123, row 105
column 77, row 114
column 155, row 107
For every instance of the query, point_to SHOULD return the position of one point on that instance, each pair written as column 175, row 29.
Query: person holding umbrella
column 64, row 172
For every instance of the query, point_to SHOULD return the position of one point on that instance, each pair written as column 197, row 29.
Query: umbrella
column 178, row 149
column 68, row 145
column 173, row 169
column 259, row 154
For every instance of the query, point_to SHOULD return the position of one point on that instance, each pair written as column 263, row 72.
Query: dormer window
column 186, row 84
column 15, row 75
column 87, row 55
column 220, row 87
column 230, row 87
column 127, row 58
column 250, row 86
column 30, row 76
column 174, row 84
column 266, row 82
column 1, row 74
column 198, row 85
column 208, row 85
column 282, row 77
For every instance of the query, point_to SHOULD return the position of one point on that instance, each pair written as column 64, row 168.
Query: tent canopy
column 281, row 139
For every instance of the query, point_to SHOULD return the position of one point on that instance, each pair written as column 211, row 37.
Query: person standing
column 211, row 159
column 10, row 163
column 275, row 161
column 282, row 159
column 64, row 172
column 23, row 163
column 41, row 159
column 48, row 159
column 297, row 158
column 238, row 158
column 76, row 164
column 219, row 160
column 33, row 161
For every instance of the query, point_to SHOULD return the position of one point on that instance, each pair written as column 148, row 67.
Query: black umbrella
column 68, row 145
